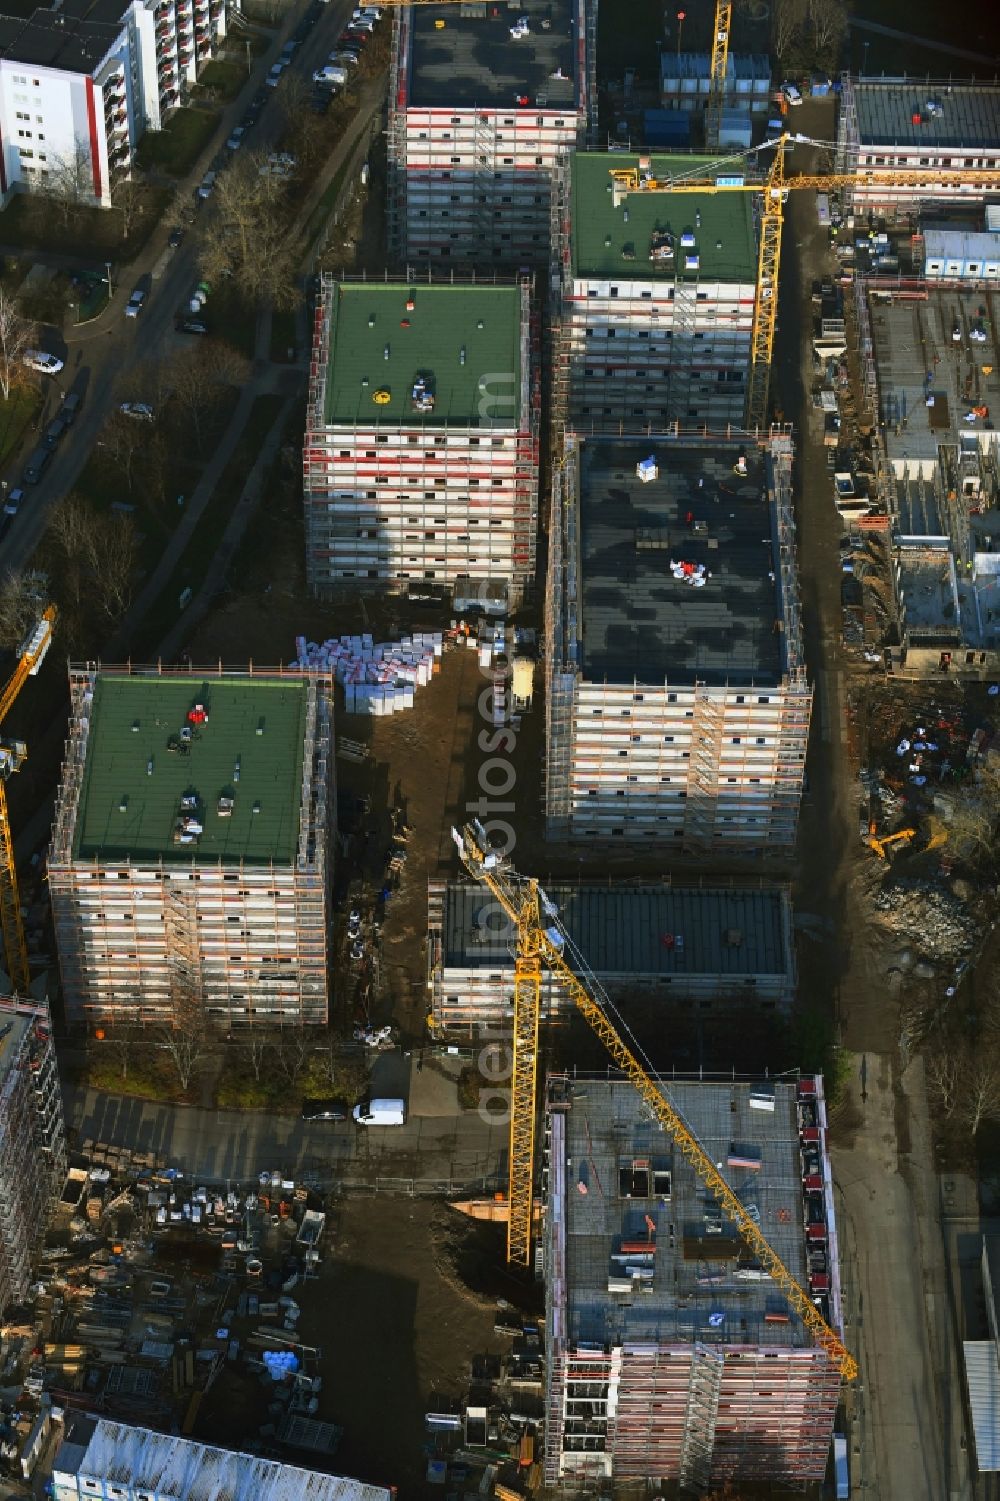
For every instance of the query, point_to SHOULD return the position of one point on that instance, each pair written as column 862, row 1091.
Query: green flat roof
column 726, row 219
column 426, row 340
column 118, row 757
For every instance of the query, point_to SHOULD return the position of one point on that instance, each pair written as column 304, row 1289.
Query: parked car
column 321, row 100
column 72, row 403
column 329, row 76
column 54, row 431
column 45, row 364
column 791, row 93
column 350, row 38
column 207, row 184
column 191, row 326
column 274, row 76
column 325, row 1110
column 135, row 303
column 175, row 237
column 138, row 409
column 236, row 139
column 35, row 467
column 343, row 59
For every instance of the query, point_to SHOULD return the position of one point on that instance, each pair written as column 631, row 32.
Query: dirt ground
column 405, row 1298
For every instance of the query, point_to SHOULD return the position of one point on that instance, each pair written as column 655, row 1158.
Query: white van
column 380, row 1113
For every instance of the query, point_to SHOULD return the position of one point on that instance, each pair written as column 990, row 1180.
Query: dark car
column 326, row 1110
column 320, row 101
column 191, row 326
column 54, row 432
column 175, row 237
column 71, row 404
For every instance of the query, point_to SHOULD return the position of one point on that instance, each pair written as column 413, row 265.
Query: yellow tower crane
column 717, row 74
column 542, row 943
column 724, row 177
column 13, row 754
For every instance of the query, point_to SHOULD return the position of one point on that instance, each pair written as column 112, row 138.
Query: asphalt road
column 455, row 1149
column 101, row 355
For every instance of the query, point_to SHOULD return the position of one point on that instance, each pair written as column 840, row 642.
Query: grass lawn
column 150, row 1075
column 15, row 414
column 223, row 80
column 176, row 148
column 93, row 234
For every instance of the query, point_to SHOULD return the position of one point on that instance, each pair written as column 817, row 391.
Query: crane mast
column 774, row 188
column 717, row 74
column 13, row 754
column 541, row 942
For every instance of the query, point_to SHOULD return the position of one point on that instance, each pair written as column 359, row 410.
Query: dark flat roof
column 640, row 623
column 75, row 38
column 732, row 932
column 473, row 59
column 964, row 116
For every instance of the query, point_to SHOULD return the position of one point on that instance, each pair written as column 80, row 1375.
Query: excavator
column 936, row 833
column 543, row 944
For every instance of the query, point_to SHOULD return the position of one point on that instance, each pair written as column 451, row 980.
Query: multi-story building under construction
column 896, row 124
column 421, row 449
column 671, row 1355
column 191, row 858
column 484, row 101
column 729, row 950
column 32, row 1139
column 677, row 704
column 655, row 297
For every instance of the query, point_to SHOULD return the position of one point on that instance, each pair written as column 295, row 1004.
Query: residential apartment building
column 484, row 101
column 655, row 296
column 191, row 859
column 102, row 1460
column 421, row 448
column 898, row 123
column 32, row 1140
column 81, row 83
column 677, row 704
column 725, row 950
column 671, row 1358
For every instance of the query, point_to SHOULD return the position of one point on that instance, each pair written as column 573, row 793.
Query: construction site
column 677, row 702
column 671, row 1354
column 668, row 277
column 191, row 858
column 421, row 451
column 32, row 1140
column 727, row 950
column 484, row 103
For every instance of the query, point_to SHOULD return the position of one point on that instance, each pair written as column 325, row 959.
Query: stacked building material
column 378, row 677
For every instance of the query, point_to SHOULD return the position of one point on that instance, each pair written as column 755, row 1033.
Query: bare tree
column 292, row 1052
column 95, row 553
column 186, row 1040
column 979, row 1099
column 16, row 335
column 124, row 441
column 127, row 198
column 944, row 1073
column 787, row 21
column 198, row 379
column 19, row 605
column 247, row 234
column 257, row 1046
column 115, row 551
column 828, row 19
column 70, row 181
